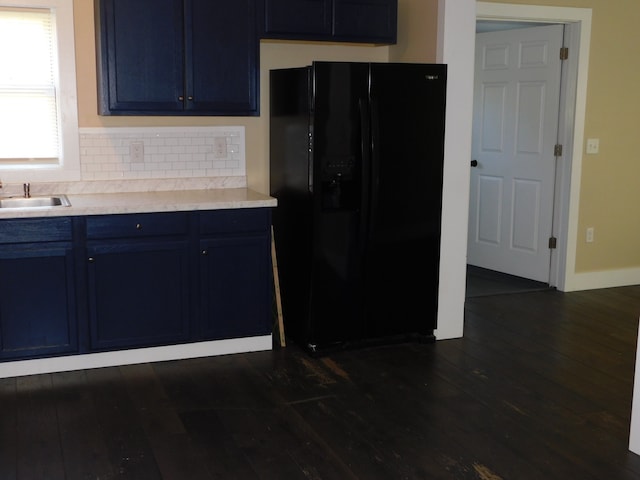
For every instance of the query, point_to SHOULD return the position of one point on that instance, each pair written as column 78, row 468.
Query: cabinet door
column 178, row 57
column 37, row 301
column 141, row 56
column 297, row 18
column 222, row 47
column 235, row 287
column 365, row 20
column 138, row 293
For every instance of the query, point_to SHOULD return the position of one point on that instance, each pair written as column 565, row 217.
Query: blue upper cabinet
column 292, row 19
column 362, row 21
column 177, row 57
column 222, row 51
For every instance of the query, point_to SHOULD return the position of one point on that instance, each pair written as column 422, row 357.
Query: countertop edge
column 148, row 202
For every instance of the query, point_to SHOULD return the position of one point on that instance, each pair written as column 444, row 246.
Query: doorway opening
column 577, row 24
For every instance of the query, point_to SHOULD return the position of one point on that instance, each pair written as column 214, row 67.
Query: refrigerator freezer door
column 402, row 258
column 289, row 183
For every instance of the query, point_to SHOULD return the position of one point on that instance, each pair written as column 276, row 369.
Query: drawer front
column 137, row 225
column 235, row 220
column 27, row 230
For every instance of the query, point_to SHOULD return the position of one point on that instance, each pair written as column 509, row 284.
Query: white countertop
column 145, row 202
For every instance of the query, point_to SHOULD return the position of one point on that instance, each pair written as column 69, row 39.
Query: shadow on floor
column 482, row 282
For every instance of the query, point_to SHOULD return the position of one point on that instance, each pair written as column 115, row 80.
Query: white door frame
column 455, row 47
column 572, row 120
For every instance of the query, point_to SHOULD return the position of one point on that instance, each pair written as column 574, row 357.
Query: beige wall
column 609, row 189
column 417, row 31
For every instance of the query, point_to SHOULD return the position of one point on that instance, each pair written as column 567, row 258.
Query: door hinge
column 553, row 242
column 557, row 150
column 564, row 53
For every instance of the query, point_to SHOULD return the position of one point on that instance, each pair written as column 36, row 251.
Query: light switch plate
column 593, row 145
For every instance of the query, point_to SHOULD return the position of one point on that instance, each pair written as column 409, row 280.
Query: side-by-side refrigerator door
column 338, row 110
column 402, row 258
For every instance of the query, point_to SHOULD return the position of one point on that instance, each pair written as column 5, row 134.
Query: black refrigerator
column 356, row 164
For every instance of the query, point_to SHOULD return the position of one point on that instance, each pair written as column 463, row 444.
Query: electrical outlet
column 136, row 151
column 220, row 147
column 590, row 235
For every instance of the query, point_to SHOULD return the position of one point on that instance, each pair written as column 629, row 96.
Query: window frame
column 67, row 168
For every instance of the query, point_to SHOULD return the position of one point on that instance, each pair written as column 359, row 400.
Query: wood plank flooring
column 540, row 387
column 482, row 282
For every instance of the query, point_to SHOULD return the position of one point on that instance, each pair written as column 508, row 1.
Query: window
column 38, row 111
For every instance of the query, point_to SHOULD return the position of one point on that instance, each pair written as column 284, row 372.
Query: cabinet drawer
column 235, row 221
column 137, row 225
column 35, row 230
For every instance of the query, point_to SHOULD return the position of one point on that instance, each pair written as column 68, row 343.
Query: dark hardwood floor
column 482, row 282
column 540, row 387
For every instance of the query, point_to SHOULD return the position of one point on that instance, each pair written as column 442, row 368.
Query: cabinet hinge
column 553, row 242
column 564, row 53
column 557, row 150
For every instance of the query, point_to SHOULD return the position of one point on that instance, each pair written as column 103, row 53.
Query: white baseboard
column 139, row 355
column 634, row 433
column 604, row 279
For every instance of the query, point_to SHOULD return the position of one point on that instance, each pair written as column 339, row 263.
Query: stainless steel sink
column 35, row 202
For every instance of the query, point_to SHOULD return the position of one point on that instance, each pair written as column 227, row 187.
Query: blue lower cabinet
column 138, row 294
column 235, row 273
column 37, row 300
column 138, row 279
column 235, row 287
column 113, row 282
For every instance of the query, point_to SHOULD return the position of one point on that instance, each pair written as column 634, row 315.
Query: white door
column 515, row 125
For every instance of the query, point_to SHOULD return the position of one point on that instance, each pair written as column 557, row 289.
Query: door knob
column 474, row 163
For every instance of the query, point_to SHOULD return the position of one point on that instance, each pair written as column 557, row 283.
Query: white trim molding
column 606, row 279
column 135, row 356
column 68, row 168
column 456, row 46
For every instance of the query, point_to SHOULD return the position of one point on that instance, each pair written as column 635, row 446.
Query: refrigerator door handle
column 374, row 148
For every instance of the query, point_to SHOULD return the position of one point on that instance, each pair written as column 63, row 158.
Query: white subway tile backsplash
column 169, row 152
